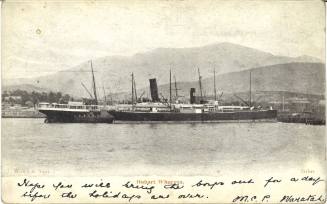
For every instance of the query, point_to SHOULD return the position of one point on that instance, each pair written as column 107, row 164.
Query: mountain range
column 231, row 62
column 304, row 78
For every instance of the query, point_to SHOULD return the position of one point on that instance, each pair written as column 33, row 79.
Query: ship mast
column 104, row 94
column 94, row 87
column 176, row 88
column 214, row 83
column 170, row 88
column 87, row 90
column 200, row 85
column 135, row 90
column 250, row 103
column 283, row 102
column 132, row 88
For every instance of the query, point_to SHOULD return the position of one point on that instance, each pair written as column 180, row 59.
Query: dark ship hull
column 56, row 116
column 265, row 115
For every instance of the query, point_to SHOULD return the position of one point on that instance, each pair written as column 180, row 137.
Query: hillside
column 305, row 78
column 114, row 72
column 25, row 87
column 308, row 78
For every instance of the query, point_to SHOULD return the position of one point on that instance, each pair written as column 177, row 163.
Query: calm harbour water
column 30, row 146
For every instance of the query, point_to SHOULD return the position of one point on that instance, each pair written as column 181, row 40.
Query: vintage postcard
column 163, row 101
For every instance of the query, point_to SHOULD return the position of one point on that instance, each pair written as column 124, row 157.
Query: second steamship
column 205, row 111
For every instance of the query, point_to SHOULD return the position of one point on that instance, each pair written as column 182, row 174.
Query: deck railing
column 69, row 106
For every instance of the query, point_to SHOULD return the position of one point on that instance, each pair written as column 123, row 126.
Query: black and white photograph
column 163, row 101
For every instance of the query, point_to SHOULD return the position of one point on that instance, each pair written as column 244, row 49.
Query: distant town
column 21, row 103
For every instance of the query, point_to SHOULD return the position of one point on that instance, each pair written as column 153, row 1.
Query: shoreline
column 278, row 120
column 22, row 116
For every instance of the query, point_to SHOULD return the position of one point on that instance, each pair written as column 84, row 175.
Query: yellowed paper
column 252, row 132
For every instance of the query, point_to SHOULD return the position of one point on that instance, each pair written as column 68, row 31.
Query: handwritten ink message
column 303, row 189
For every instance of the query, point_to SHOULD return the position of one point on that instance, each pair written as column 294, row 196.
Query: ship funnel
column 154, row 90
column 192, row 95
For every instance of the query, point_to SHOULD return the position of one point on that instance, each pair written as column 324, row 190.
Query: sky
column 40, row 38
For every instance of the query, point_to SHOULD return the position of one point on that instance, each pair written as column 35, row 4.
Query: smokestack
column 154, row 90
column 192, row 95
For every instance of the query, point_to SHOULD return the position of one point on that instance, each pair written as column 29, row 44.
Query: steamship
column 77, row 112
column 205, row 111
